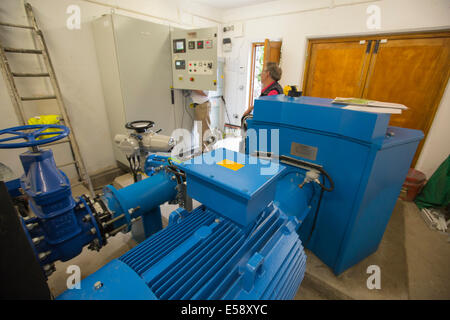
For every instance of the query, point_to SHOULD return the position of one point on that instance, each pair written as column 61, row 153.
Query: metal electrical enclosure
column 135, row 68
column 194, row 59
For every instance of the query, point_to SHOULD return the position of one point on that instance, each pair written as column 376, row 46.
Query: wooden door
column 411, row 69
column 337, row 68
column 413, row 72
column 272, row 51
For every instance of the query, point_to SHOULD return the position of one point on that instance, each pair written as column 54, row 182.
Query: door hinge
column 369, row 45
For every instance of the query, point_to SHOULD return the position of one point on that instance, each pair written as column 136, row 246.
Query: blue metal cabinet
column 368, row 167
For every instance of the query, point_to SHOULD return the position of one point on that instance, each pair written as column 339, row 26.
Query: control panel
column 194, row 59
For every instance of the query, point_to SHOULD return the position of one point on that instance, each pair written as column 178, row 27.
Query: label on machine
column 303, row 151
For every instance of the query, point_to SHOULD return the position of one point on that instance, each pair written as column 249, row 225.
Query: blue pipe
column 141, row 199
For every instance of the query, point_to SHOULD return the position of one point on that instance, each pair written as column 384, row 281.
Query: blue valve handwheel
column 29, row 134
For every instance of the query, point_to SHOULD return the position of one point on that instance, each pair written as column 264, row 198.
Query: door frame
column 252, row 71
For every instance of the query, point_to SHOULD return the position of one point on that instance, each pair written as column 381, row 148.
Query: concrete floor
column 414, row 262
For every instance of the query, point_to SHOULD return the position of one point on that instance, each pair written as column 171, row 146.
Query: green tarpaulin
column 436, row 192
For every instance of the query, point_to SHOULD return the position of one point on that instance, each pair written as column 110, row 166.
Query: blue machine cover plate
column 246, row 182
column 321, row 114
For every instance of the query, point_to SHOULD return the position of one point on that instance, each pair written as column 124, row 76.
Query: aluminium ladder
column 17, row 99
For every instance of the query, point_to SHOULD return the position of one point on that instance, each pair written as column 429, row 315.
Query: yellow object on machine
column 291, row 91
column 45, row 119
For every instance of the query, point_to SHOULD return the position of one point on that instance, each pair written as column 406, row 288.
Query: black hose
column 310, row 165
column 331, row 188
column 132, row 168
column 180, row 176
column 179, row 180
column 316, row 214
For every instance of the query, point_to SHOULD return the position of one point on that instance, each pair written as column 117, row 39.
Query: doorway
column 262, row 52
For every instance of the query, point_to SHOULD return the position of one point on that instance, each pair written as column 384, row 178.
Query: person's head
column 271, row 72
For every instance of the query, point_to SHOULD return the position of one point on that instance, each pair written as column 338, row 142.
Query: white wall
column 74, row 59
column 295, row 21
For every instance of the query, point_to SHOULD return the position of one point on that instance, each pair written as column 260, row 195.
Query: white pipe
column 301, row 11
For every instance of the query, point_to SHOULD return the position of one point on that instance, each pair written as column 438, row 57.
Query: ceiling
column 230, row 4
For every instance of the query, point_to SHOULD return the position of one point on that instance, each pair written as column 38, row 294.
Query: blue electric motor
column 237, row 245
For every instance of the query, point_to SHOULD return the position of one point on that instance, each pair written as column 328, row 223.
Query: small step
column 22, row 74
column 19, row 50
column 37, row 98
column 12, row 25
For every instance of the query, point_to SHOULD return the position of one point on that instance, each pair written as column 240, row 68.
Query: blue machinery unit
column 237, row 245
column 331, row 183
column 367, row 160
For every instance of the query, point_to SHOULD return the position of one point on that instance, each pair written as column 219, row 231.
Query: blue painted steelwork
column 367, row 160
column 213, row 252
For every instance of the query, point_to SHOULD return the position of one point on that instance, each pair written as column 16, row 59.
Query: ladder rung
column 67, row 164
column 56, row 142
column 19, row 74
column 37, row 98
column 76, row 183
column 16, row 50
column 15, row 25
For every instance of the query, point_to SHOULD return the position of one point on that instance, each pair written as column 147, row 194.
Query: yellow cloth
column 46, row 119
